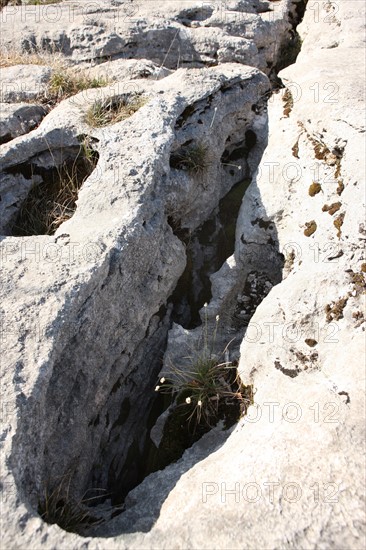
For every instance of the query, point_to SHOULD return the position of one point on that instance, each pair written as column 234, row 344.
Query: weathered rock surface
column 173, row 33
column 24, row 82
column 84, row 309
column 16, row 120
column 70, row 385
column 128, row 69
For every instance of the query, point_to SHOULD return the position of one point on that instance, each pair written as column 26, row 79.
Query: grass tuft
column 4, row 3
column 192, row 158
column 207, row 386
column 111, row 111
column 63, row 83
column 57, row 506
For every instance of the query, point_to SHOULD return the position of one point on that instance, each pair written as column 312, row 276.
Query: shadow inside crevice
column 255, row 278
column 144, row 503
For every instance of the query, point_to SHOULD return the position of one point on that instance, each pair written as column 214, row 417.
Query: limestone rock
column 83, row 313
column 128, row 69
column 19, row 119
column 172, row 34
column 76, row 367
column 24, row 82
column 289, row 476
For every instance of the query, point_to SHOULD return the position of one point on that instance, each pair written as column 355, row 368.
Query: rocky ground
column 86, row 306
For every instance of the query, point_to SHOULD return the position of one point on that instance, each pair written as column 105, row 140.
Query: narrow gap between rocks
column 207, row 248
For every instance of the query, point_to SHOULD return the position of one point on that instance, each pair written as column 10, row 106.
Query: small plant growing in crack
column 57, row 505
column 53, row 201
column 193, row 158
column 103, row 113
column 64, row 83
column 207, row 386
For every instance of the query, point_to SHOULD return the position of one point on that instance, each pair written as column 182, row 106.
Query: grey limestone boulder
column 19, row 119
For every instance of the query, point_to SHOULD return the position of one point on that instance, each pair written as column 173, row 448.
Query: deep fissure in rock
column 207, row 249
column 217, row 235
column 120, row 471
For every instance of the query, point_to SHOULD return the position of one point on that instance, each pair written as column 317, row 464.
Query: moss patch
column 332, row 208
column 340, row 187
column 334, row 310
column 311, row 227
column 358, row 281
column 314, row 189
column 338, row 222
column 288, row 102
column 311, row 342
column 295, row 150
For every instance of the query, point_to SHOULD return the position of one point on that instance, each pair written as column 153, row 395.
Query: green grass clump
column 193, row 158
column 103, row 113
column 207, row 387
column 63, row 83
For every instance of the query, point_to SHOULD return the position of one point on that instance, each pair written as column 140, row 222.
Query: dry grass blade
column 64, row 83
column 4, row 3
column 53, row 201
column 193, row 158
column 58, row 506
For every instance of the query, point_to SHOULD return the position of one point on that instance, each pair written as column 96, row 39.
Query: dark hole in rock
column 289, row 50
column 238, row 150
column 207, row 249
column 53, row 195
